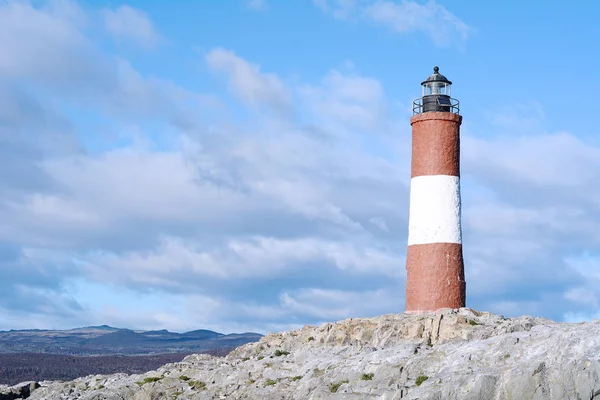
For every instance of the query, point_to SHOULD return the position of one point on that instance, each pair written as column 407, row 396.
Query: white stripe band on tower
column 434, row 215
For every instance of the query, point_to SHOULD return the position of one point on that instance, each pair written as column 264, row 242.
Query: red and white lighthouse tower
column 434, row 259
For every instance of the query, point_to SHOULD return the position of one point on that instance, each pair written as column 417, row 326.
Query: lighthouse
column 435, row 276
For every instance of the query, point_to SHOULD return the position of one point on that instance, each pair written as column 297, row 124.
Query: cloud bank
column 134, row 200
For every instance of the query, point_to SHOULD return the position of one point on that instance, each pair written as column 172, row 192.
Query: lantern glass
column 436, row 88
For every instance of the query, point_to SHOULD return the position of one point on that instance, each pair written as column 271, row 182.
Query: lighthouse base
column 435, row 277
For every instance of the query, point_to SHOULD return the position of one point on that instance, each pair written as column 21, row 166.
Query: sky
column 244, row 165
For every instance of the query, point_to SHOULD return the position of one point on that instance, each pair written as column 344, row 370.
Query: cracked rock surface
column 452, row 354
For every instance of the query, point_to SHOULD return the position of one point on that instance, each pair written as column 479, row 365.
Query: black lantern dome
column 436, row 77
column 435, row 95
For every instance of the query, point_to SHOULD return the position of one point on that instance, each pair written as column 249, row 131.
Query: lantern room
column 435, row 95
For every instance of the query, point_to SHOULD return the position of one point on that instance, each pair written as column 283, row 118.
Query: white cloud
column 322, row 4
column 257, row 5
column 262, row 223
column 518, row 119
column 379, row 222
column 132, row 24
column 540, row 213
column 586, row 295
column 338, row 8
column 239, row 258
column 431, row 18
column 54, row 209
column 543, row 160
column 574, row 317
column 217, row 204
column 247, row 82
column 406, row 16
column 583, row 296
column 51, row 48
column 347, row 100
column 334, row 305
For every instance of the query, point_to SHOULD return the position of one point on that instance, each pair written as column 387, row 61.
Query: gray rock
column 19, row 391
column 452, row 354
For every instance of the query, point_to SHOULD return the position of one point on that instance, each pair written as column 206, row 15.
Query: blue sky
column 244, row 165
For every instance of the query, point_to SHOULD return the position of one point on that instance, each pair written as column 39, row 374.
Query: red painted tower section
column 434, row 259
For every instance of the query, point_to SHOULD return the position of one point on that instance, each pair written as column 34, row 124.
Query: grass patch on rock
column 367, row 377
column 198, row 385
column 421, row 379
column 149, row 380
column 333, row 388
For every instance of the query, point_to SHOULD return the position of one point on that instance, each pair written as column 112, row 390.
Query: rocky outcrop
column 19, row 391
column 452, row 354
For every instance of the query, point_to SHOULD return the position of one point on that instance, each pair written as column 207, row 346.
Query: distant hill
column 123, row 337
column 162, row 334
column 101, row 327
column 108, row 340
column 202, row 334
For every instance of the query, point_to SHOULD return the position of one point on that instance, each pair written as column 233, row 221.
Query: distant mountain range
column 105, row 340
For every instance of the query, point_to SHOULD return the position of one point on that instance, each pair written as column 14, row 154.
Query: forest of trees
column 16, row 368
